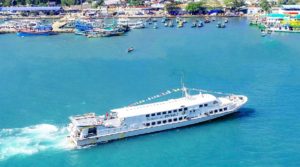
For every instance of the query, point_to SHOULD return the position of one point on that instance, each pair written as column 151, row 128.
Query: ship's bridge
column 171, row 104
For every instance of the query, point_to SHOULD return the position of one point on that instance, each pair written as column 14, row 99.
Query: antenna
column 184, row 89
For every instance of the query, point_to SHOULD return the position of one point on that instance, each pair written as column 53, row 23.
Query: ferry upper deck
column 171, row 104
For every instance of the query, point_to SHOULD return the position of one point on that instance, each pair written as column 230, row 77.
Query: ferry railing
column 117, row 130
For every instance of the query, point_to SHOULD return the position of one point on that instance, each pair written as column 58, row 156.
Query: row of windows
column 203, row 105
column 220, row 110
column 165, row 121
column 165, row 112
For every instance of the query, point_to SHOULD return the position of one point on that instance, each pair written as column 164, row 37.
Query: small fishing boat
column 184, row 21
column 220, row 25
column 166, row 24
column 263, row 33
column 180, row 24
column 30, row 32
column 170, row 24
column 155, row 26
column 194, row 25
column 213, row 19
column 200, row 24
column 38, row 30
column 130, row 49
column 206, row 20
column 226, row 20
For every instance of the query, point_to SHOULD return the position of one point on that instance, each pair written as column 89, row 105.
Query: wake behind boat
column 140, row 119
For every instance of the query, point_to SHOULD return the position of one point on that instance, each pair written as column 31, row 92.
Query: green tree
column 194, row 7
column 68, row 2
column 265, row 5
column 234, row 4
column 97, row 3
column 172, row 7
column 29, row 2
column 136, row 2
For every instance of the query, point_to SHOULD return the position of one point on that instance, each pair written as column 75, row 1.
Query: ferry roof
column 171, row 104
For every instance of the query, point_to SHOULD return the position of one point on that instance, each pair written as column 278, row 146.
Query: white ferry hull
column 147, row 130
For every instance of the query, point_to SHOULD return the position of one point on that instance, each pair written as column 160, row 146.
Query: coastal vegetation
column 234, row 4
column 195, row 7
column 265, row 5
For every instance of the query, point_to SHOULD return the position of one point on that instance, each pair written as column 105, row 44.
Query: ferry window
column 159, row 113
column 174, row 110
column 175, row 119
column 221, row 110
column 169, row 112
column 180, row 118
column 215, row 102
column 164, row 112
column 211, row 112
column 147, row 124
column 216, row 111
column 153, row 123
column 158, row 122
column 225, row 108
column 153, row 114
column 180, row 109
column 200, row 106
column 184, row 117
column 92, row 131
column 205, row 105
column 185, row 108
column 170, row 120
column 147, row 115
column 164, row 121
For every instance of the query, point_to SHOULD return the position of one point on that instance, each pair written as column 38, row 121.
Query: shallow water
column 44, row 80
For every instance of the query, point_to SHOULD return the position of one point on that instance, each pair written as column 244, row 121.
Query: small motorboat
column 213, row 19
column 200, row 24
column 180, row 24
column 226, row 20
column 155, row 26
column 220, row 25
column 263, row 33
column 166, row 24
column 130, row 49
column 194, row 25
column 170, row 24
column 206, row 20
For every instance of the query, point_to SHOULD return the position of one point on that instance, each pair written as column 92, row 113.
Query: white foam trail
column 32, row 139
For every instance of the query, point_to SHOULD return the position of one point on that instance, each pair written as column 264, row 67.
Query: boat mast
column 184, row 90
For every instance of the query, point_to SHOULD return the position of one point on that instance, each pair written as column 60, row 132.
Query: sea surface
column 44, row 80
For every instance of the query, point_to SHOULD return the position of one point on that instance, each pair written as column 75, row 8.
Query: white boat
column 283, row 29
column 131, row 24
column 138, row 119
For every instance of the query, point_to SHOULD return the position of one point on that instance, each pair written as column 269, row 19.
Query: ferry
column 139, row 118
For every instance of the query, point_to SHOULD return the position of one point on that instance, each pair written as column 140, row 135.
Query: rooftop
column 36, row 8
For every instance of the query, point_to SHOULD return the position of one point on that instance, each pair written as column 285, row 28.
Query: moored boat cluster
column 94, row 28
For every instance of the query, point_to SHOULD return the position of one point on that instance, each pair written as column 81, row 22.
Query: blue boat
column 40, row 30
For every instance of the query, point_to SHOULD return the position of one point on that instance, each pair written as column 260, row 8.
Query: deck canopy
column 171, row 104
column 291, row 7
column 276, row 15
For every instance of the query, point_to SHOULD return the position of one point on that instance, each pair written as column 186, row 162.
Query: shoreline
column 122, row 16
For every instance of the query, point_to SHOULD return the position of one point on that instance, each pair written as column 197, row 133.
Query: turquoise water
column 44, row 80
